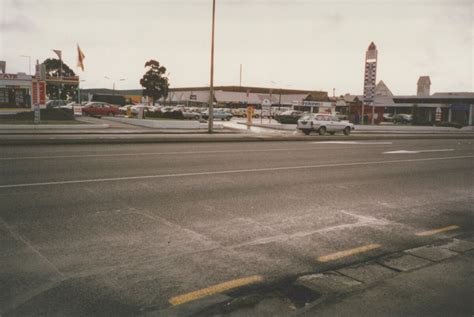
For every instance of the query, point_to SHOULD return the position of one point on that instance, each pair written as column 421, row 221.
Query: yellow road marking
column 435, row 231
column 345, row 253
column 215, row 289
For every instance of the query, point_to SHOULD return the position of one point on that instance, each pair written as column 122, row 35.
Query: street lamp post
column 29, row 62
column 211, row 86
column 113, row 83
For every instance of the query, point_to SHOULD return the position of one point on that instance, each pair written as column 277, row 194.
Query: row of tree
column 155, row 82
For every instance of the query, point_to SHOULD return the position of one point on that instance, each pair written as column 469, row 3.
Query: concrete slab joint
column 432, row 253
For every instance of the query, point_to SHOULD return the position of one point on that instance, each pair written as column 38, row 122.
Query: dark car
column 100, row 109
column 289, row 117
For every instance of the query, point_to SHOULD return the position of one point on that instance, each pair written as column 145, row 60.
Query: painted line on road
column 215, row 289
column 416, row 152
column 40, row 157
column 435, row 231
column 251, row 170
column 346, row 253
column 352, row 142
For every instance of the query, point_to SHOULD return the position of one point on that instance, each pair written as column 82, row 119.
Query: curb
column 199, row 138
column 52, row 126
column 232, row 301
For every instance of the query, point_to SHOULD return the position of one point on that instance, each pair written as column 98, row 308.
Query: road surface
column 115, row 229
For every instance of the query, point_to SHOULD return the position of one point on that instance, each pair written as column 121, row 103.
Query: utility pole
column 240, row 75
column 211, row 86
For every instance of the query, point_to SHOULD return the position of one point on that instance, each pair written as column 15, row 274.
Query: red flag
column 80, row 58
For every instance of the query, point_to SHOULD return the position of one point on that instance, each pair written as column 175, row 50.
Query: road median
column 37, row 139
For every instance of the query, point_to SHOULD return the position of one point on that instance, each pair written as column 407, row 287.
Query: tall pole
column 211, row 86
column 240, row 75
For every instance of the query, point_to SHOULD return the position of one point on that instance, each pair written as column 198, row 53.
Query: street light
column 113, row 86
column 29, row 62
column 211, row 86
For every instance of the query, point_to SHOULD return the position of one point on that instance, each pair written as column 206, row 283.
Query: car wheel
column 196, row 118
column 322, row 131
column 306, row 131
column 347, row 130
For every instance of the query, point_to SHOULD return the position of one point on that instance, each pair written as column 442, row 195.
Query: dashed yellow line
column 215, row 289
column 346, row 253
column 435, row 231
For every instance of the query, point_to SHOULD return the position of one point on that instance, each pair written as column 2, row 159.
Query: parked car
column 323, row 123
column 289, row 117
column 387, row 117
column 191, row 115
column 69, row 106
column 218, row 114
column 402, row 118
column 240, row 112
column 56, row 103
column 99, row 109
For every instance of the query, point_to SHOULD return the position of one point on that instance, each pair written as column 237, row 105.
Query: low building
column 15, row 89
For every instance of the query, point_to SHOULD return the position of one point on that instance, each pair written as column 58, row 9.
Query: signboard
column 36, row 108
column 8, row 76
column 77, row 110
column 438, row 114
column 41, row 94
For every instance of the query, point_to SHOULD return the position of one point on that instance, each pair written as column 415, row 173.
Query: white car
column 322, row 123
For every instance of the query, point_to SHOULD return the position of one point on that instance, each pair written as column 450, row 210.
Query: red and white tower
column 370, row 73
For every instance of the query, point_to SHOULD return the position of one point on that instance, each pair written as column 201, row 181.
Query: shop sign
column 42, row 92
column 8, row 76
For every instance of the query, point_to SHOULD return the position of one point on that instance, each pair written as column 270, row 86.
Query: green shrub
column 450, row 125
column 45, row 114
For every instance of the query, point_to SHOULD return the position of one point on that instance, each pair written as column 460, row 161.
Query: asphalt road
column 112, row 229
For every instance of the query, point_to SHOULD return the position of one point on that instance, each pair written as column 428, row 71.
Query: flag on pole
column 59, row 53
column 80, row 58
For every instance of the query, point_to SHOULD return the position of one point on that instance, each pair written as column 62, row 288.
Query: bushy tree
column 53, row 69
column 154, row 82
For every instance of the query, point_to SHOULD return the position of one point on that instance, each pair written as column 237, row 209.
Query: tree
column 154, row 82
column 53, row 69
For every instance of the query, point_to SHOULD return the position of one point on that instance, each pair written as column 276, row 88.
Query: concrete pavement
column 125, row 229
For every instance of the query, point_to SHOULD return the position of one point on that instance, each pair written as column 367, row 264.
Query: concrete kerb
column 339, row 284
column 52, row 126
column 375, row 129
column 202, row 138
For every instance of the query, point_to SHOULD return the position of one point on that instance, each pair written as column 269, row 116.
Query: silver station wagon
column 322, row 123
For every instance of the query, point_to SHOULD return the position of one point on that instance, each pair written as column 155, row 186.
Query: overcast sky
column 299, row 44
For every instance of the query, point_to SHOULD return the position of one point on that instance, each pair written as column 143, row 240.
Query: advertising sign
column 77, row 110
column 36, row 108
column 41, row 94
column 438, row 114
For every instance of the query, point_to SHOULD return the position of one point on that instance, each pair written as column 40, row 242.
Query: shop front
column 15, row 90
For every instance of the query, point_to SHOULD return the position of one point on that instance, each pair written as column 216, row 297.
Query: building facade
column 15, row 89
